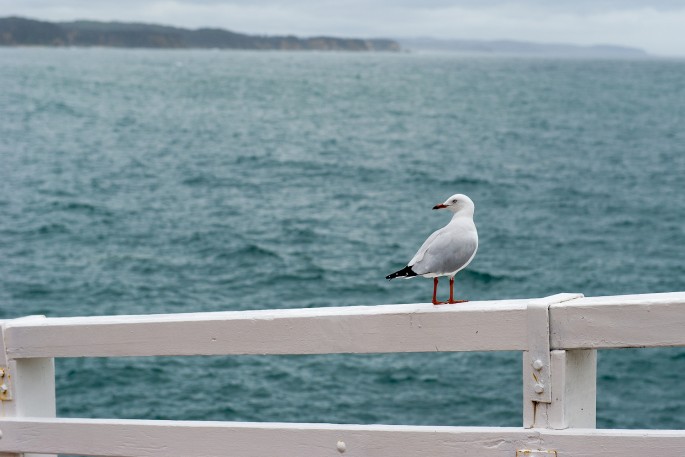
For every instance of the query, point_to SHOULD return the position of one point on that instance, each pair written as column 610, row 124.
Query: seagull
column 448, row 250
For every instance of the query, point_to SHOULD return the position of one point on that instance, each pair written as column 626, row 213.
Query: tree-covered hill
column 16, row 31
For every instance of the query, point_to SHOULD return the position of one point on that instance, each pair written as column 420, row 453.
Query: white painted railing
column 558, row 335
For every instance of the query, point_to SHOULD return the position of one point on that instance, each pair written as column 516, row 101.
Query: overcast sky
column 656, row 26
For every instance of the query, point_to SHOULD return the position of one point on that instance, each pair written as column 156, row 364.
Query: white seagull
column 448, row 250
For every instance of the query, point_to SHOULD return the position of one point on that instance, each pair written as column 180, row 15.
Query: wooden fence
column 558, row 335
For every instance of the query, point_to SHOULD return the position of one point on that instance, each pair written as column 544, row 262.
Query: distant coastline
column 17, row 31
column 519, row 48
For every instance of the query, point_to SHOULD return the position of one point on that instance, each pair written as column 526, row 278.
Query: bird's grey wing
column 424, row 247
column 446, row 253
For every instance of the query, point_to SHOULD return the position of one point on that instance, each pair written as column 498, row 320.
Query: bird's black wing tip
column 405, row 272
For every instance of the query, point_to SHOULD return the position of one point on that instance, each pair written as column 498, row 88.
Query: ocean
column 169, row 181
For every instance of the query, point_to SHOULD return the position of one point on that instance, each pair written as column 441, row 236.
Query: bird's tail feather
column 405, row 272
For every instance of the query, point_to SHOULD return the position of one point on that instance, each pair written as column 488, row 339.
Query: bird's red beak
column 440, row 206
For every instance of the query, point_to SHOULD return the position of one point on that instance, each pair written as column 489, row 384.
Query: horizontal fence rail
column 652, row 320
column 558, row 335
column 220, row 439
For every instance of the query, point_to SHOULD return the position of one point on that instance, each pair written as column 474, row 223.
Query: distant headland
column 17, row 31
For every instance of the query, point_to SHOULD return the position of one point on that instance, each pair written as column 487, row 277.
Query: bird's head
column 457, row 203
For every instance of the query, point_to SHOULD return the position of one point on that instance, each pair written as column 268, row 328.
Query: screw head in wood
column 539, row 387
column 341, row 447
column 537, row 364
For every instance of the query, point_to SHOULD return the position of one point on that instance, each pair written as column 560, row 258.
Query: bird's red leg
column 452, row 300
column 435, row 292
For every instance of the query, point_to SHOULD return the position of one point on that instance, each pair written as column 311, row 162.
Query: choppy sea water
column 179, row 181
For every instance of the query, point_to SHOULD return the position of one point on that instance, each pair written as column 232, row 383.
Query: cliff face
column 16, row 31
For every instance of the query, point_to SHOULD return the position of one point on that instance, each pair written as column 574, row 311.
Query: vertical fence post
column 559, row 387
column 573, row 388
column 27, row 387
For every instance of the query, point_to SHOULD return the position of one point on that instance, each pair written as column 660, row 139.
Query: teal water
column 181, row 181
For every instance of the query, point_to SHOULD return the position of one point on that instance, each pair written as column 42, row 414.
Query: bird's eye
column 454, row 201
